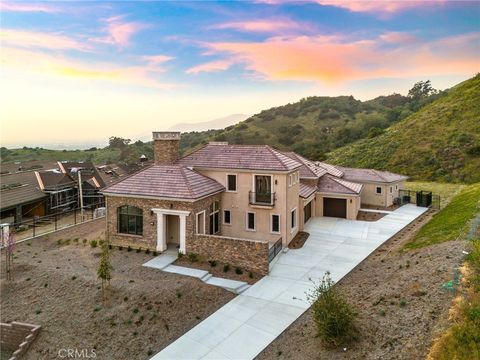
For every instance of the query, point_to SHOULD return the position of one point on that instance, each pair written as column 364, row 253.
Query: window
column 201, row 222
column 231, row 182
column 227, row 217
column 251, row 221
column 391, row 189
column 263, row 189
column 130, row 220
column 214, row 217
column 290, row 180
column 396, row 187
column 379, row 190
column 293, row 219
column 275, row 224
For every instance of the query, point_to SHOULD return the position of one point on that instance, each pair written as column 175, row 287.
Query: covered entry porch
column 171, row 229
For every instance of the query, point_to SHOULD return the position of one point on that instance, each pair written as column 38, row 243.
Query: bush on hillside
column 333, row 315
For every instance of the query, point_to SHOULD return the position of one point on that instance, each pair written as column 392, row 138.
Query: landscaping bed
column 401, row 304
column 369, row 216
column 55, row 285
column 299, row 239
column 220, row 269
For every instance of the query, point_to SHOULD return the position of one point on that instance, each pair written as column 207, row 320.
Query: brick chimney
column 165, row 147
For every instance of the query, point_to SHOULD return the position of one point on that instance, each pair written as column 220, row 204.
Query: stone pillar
column 166, row 147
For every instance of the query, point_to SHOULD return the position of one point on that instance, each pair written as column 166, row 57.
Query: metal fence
column 419, row 198
column 37, row 226
column 274, row 250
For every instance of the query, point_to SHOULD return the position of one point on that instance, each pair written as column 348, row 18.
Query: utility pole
column 81, row 192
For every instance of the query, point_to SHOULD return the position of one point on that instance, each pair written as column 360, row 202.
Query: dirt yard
column 369, row 216
column 399, row 298
column 55, row 286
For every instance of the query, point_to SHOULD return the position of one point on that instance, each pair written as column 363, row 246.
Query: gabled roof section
column 306, row 190
column 332, row 170
column 371, row 175
column 88, row 171
column 309, row 169
column 175, row 182
column 53, row 180
column 331, row 184
column 19, row 188
column 249, row 157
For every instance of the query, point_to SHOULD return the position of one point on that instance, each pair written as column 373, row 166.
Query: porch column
column 183, row 233
column 161, row 239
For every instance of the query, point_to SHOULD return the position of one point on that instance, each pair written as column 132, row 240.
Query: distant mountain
column 439, row 142
column 215, row 124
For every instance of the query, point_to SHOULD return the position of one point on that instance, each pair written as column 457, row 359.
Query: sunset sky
column 79, row 72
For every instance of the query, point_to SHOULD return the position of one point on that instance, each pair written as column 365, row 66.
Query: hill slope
column 439, row 142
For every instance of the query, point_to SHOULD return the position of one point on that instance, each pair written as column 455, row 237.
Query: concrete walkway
column 250, row 322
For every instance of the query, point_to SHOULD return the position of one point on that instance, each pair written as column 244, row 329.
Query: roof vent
column 218, row 143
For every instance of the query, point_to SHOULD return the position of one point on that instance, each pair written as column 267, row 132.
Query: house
column 233, row 203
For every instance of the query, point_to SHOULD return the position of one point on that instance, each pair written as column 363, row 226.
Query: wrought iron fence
column 419, row 198
column 37, row 225
column 256, row 198
column 274, row 250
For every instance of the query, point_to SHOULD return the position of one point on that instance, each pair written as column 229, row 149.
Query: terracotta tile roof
column 250, row 157
column 306, row 190
column 309, row 169
column 176, row 182
column 371, row 175
column 331, row 184
column 332, row 170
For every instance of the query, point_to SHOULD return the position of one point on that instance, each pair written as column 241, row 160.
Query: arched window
column 130, row 220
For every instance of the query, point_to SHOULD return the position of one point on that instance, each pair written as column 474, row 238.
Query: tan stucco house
column 235, row 203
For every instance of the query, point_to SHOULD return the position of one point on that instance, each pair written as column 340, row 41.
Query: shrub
column 120, row 248
column 147, row 251
column 93, row 243
column 74, row 277
column 226, row 268
column 135, row 311
column 38, row 311
column 59, row 241
column 179, row 295
column 154, row 253
column 125, row 298
column 193, row 257
column 250, row 275
column 129, row 248
column 382, row 312
column 138, row 250
column 212, row 263
column 180, row 254
column 403, row 303
column 110, row 247
column 238, row 271
column 332, row 314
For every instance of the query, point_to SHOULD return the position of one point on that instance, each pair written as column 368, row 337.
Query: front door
column 173, row 230
column 307, row 212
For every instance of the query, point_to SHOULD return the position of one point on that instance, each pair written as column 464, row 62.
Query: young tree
column 332, row 314
column 104, row 268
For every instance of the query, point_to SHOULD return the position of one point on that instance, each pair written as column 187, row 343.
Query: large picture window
column 214, row 217
column 130, row 220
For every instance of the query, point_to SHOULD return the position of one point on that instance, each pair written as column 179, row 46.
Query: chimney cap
column 166, row 135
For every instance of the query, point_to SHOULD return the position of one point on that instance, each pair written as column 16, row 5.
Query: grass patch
column 461, row 340
column 450, row 222
column 445, row 190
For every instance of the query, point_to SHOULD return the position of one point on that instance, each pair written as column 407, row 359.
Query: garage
column 333, row 207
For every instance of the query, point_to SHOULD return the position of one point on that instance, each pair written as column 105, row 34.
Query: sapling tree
column 104, row 268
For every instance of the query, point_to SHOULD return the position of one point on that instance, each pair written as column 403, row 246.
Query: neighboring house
column 231, row 202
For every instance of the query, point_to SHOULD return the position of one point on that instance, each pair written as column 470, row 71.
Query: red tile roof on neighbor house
column 176, row 182
column 249, row 157
column 332, row 170
column 371, row 175
column 331, row 184
column 309, row 169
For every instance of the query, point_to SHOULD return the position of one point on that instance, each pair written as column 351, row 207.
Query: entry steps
column 164, row 262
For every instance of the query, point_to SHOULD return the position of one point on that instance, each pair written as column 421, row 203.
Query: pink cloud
column 398, row 38
column 213, row 66
column 119, row 32
column 157, row 59
column 28, row 7
column 272, row 25
column 336, row 59
column 32, row 39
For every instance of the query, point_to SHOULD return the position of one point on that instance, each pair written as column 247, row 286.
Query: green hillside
column 314, row 125
column 439, row 142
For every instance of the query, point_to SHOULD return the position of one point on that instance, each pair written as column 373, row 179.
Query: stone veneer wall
column 17, row 337
column 165, row 151
column 149, row 238
column 249, row 254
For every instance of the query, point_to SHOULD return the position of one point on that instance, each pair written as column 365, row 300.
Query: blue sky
column 126, row 68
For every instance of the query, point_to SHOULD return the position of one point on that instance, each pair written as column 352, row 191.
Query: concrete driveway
column 246, row 325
